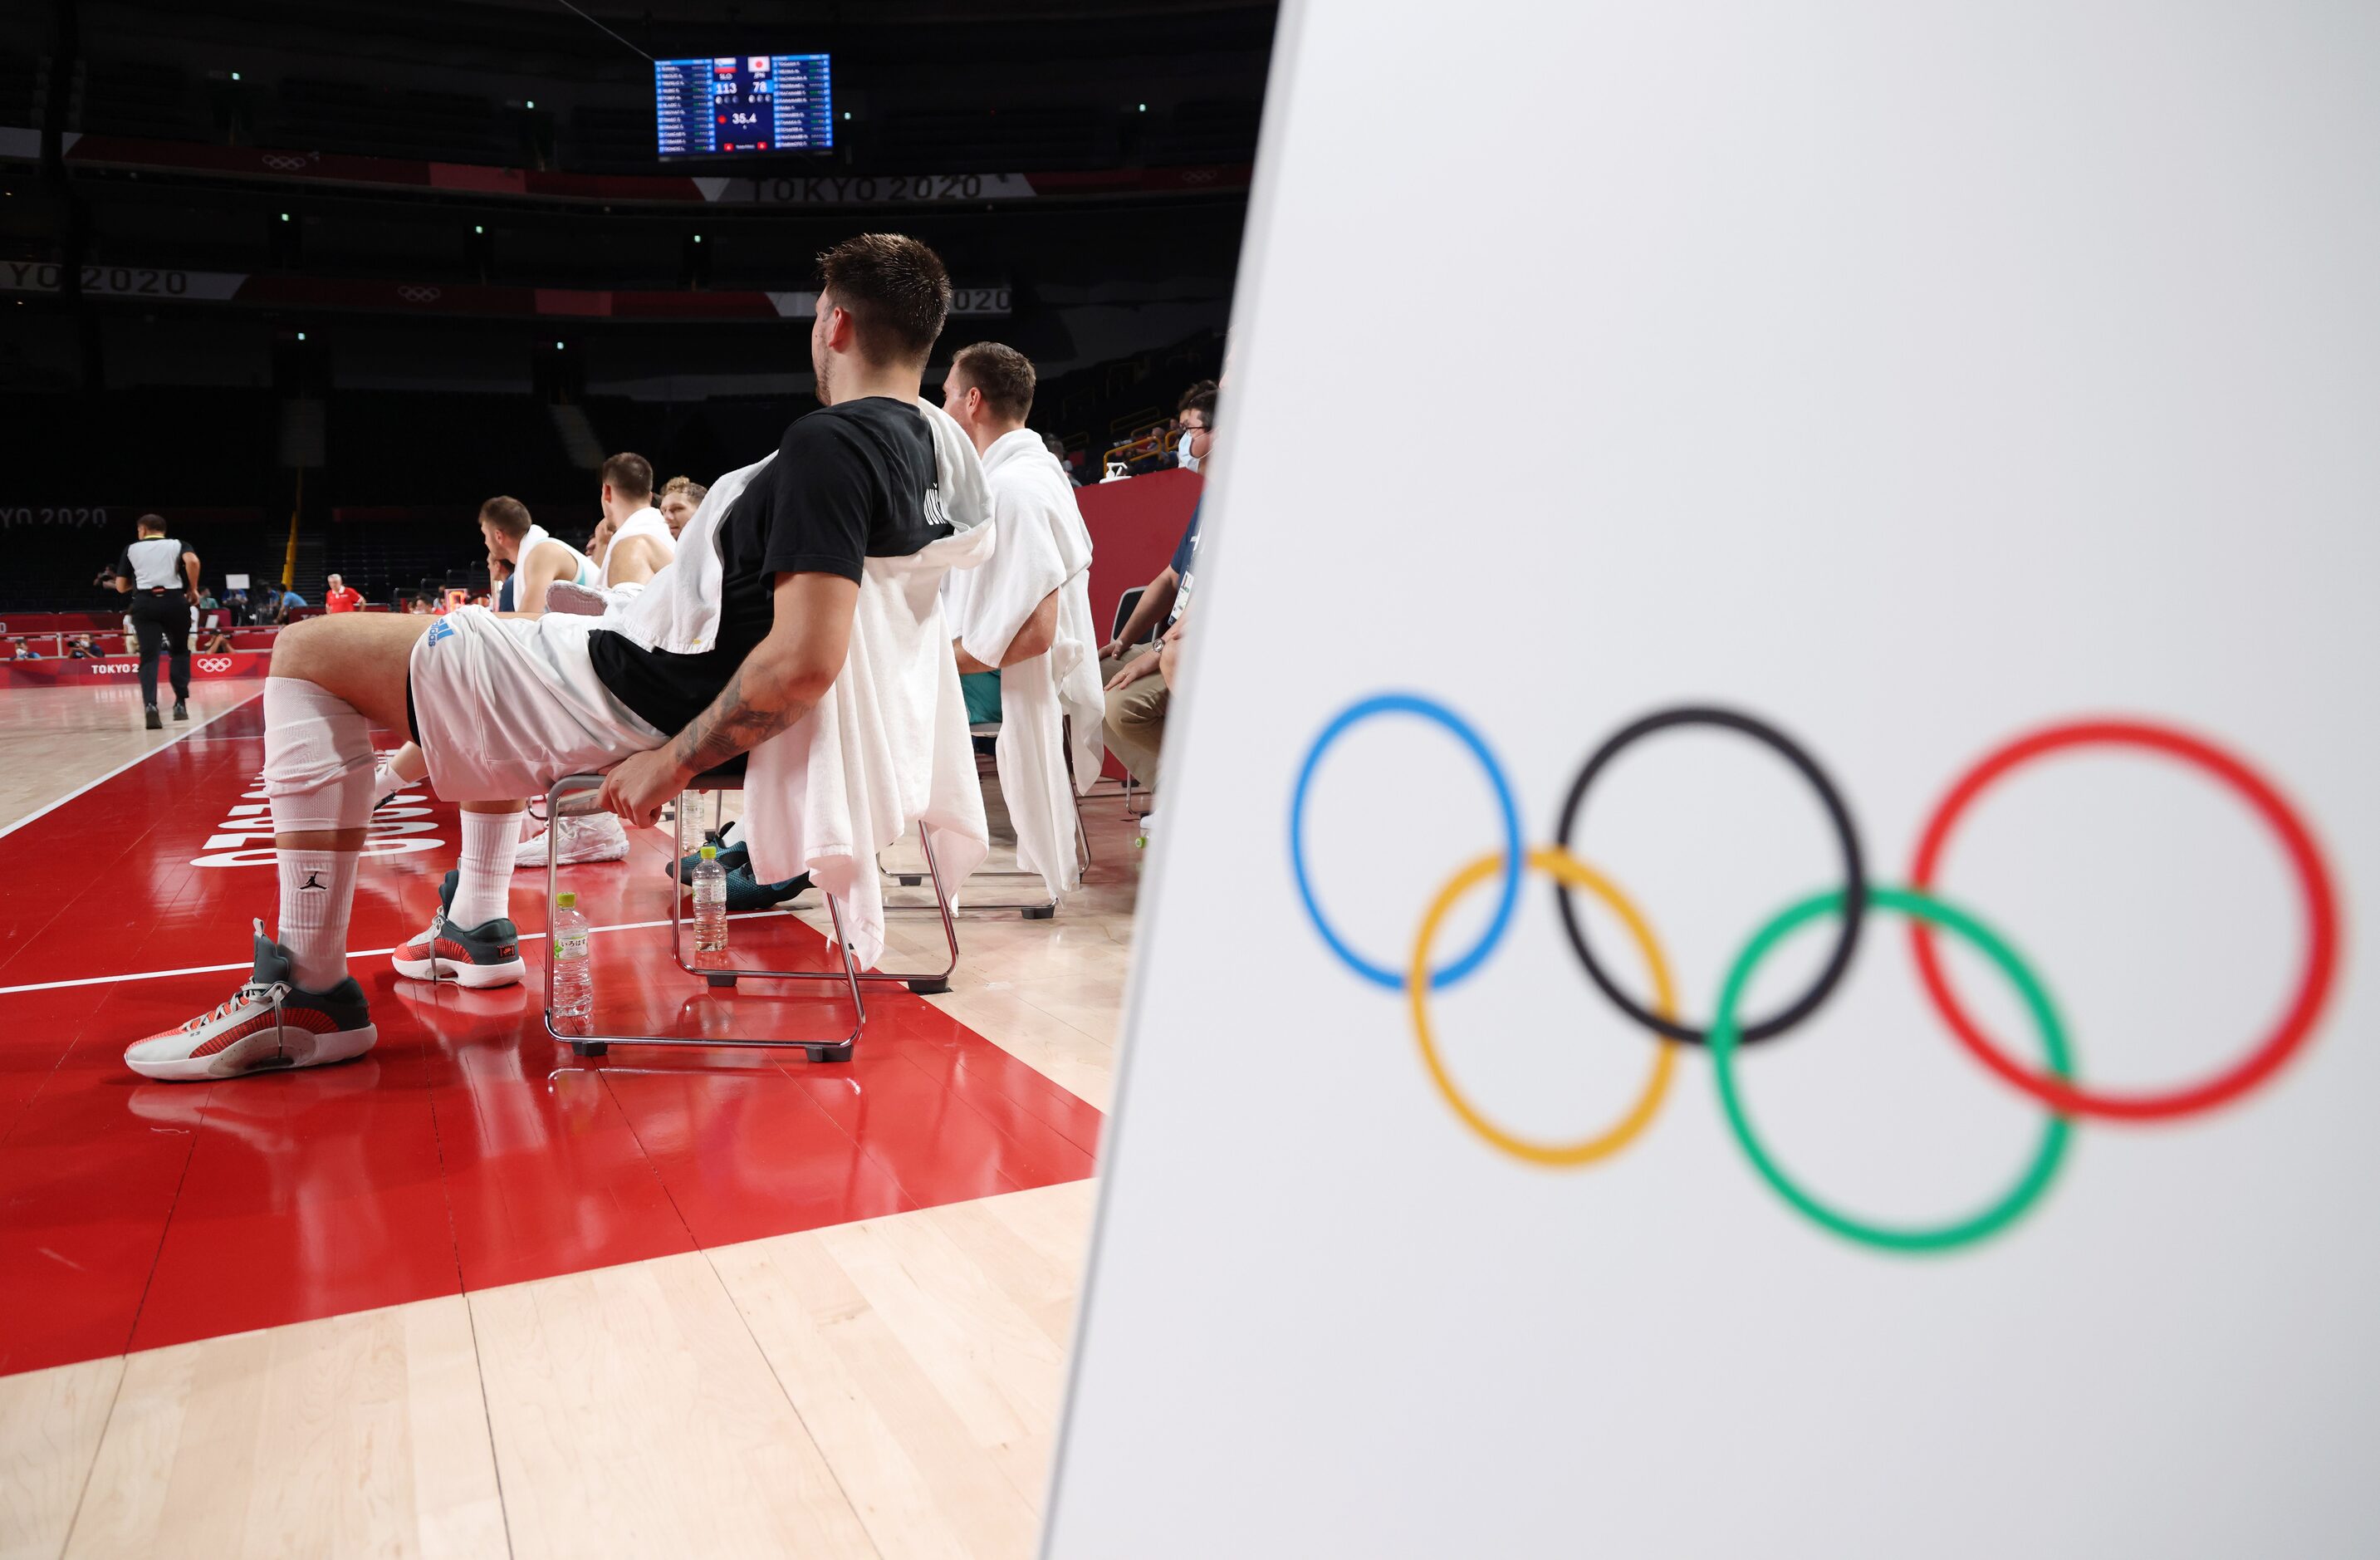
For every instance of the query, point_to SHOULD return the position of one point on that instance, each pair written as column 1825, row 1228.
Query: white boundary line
column 352, row 953
column 176, row 738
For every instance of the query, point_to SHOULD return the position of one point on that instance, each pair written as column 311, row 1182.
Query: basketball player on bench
column 555, row 580
column 637, row 543
column 681, row 497
column 856, row 478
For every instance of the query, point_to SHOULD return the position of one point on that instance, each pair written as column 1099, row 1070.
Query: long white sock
column 317, row 889
column 318, row 775
column 484, row 876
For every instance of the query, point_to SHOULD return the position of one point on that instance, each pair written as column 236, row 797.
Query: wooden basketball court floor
column 469, row 1295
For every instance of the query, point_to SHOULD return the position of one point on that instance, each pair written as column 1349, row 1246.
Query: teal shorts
column 982, row 690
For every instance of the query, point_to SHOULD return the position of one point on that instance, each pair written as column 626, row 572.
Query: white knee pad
column 318, row 758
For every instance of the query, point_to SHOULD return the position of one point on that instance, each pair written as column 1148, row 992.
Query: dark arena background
column 313, row 281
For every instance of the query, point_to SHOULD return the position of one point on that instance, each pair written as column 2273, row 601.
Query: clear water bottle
column 709, row 902
column 573, row 980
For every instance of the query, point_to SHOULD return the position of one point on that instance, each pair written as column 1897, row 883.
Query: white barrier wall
column 1970, row 414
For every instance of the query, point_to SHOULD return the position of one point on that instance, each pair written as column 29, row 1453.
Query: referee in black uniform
column 161, row 576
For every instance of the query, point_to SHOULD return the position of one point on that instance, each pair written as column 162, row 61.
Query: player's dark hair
column 894, row 290
column 151, row 523
column 508, row 514
column 1200, row 397
column 631, row 476
column 1003, row 373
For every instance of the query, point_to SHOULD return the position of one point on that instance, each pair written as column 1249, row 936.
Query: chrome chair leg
column 568, row 796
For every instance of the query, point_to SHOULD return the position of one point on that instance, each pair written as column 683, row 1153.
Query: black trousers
column 162, row 621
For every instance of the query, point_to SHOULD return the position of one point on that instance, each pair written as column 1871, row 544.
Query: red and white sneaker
column 485, row 955
column 267, row 1026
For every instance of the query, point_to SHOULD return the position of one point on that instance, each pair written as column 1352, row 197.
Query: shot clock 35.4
column 737, row 103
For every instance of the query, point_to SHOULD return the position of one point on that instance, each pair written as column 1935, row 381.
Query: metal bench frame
column 574, row 794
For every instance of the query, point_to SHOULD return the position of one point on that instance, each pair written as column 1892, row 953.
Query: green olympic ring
column 1725, row 1036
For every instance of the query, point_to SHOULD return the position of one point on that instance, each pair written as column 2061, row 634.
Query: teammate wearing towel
column 161, row 576
column 1027, row 612
column 537, row 559
column 504, row 706
column 637, row 544
column 523, row 564
column 642, row 543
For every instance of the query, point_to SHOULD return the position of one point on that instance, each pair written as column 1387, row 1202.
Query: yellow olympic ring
column 1560, row 864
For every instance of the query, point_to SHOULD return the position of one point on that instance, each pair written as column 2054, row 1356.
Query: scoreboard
column 732, row 104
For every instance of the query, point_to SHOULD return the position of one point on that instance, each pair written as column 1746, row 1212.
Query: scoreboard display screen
column 734, row 105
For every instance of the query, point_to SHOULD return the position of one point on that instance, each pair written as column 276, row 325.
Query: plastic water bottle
column 573, row 980
column 709, row 902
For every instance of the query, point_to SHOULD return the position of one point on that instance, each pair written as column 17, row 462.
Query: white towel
column 887, row 747
column 1044, row 546
column 583, row 572
column 646, row 522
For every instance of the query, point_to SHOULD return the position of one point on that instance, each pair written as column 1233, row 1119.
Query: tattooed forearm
column 737, row 721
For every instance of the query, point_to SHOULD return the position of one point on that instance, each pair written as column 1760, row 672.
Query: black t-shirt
column 852, row 481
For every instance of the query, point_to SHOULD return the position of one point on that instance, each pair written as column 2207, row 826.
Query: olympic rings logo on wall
column 1845, row 906
column 420, row 295
column 214, row 662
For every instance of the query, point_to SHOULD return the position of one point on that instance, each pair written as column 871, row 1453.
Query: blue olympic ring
column 1430, row 710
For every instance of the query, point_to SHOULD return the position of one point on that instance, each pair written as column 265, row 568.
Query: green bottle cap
column 711, row 853
column 566, row 900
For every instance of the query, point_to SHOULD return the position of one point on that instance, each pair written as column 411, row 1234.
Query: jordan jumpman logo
column 313, row 879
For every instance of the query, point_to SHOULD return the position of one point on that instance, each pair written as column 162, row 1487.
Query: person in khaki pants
column 1138, row 694
column 1139, row 678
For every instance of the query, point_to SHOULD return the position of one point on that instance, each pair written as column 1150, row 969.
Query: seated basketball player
column 681, row 497
column 637, row 543
column 556, row 571
column 642, row 543
column 1025, row 617
column 504, row 706
column 634, row 542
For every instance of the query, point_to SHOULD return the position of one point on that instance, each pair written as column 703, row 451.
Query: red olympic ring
column 2313, row 883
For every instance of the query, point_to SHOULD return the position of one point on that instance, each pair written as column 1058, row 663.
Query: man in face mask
column 1139, row 678
column 1193, row 434
column 1196, row 418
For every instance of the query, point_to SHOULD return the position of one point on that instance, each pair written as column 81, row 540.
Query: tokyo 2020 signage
column 1724, row 1031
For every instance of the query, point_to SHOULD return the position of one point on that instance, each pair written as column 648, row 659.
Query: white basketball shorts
column 505, row 706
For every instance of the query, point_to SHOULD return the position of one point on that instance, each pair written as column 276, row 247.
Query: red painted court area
column 468, row 1148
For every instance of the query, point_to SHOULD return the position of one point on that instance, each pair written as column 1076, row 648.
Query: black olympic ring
column 1855, row 911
